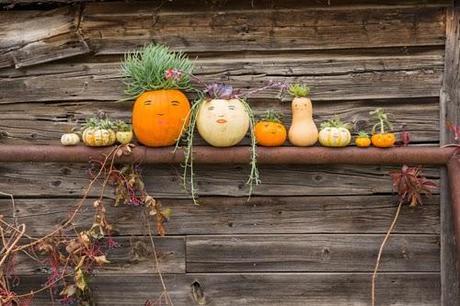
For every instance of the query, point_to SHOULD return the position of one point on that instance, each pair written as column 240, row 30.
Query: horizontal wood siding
column 311, row 234
column 227, row 216
column 414, row 289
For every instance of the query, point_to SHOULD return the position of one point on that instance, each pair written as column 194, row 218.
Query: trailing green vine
column 225, row 92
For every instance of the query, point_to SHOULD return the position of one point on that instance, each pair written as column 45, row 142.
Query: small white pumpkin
column 222, row 122
column 334, row 133
column 70, row 139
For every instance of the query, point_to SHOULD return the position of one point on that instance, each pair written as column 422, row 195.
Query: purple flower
column 221, row 91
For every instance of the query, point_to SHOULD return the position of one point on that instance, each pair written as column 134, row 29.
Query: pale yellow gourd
column 303, row 131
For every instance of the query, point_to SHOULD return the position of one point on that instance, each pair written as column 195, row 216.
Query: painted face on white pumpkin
column 222, row 123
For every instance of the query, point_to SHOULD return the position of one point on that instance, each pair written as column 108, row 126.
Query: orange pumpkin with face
column 270, row 134
column 159, row 116
column 270, row 131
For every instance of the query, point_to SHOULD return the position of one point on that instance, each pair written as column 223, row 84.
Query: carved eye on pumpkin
column 147, row 102
column 211, row 108
column 175, row 103
column 231, row 107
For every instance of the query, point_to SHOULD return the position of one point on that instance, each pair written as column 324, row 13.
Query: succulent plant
column 221, row 91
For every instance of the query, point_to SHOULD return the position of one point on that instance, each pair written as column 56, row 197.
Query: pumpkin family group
column 155, row 76
column 100, row 131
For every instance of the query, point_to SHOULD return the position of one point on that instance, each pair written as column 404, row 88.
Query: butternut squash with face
column 303, row 131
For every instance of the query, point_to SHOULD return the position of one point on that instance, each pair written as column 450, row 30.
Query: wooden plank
column 43, row 123
column 219, row 215
column 330, row 77
column 133, row 255
column 112, row 28
column 407, row 289
column 256, row 4
column 34, row 37
column 450, row 113
column 311, row 253
column 51, row 179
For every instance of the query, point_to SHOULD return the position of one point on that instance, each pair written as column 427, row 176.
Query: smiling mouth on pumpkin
column 221, row 121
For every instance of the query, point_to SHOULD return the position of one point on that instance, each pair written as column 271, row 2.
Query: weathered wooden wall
column 311, row 234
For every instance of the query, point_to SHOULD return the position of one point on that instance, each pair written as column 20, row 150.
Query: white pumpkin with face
column 221, row 122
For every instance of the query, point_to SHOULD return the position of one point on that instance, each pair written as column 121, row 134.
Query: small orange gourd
column 159, row 116
column 303, row 131
column 363, row 140
column 270, row 131
column 382, row 139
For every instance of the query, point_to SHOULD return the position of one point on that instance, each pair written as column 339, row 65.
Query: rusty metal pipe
column 453, row 170
column 237, row 155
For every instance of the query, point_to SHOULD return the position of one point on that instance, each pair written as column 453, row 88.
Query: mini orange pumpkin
column 385, row 140
column 362, row 140
column 270, row 131
column 159, row 116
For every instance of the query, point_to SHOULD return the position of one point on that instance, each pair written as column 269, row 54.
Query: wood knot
column 198, row 294
column 325, row 254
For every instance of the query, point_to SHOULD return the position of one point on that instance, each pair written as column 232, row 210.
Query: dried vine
column 71, row 256
column 410, row 184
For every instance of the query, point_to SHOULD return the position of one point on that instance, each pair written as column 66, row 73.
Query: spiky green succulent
column 272, row 116
column 299, row 90
column 99, row 123
column 121, row 126
column 335, row 123
column 154, row 67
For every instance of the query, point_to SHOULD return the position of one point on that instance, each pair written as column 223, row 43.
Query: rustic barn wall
column 311, row 235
